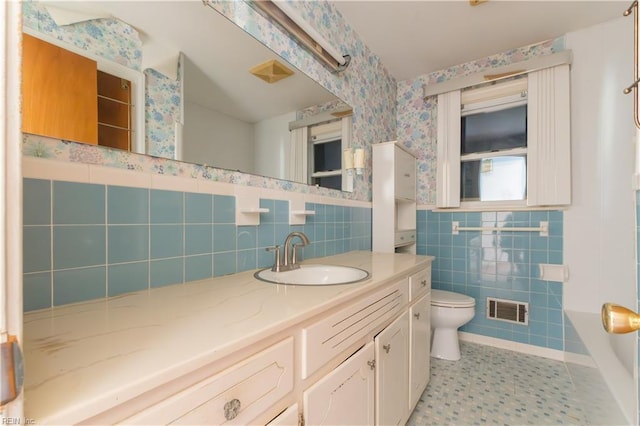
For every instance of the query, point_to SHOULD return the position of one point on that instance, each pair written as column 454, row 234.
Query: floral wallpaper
column 366, row 85
column 119, row 42
column 417, row 119
column 383, row 109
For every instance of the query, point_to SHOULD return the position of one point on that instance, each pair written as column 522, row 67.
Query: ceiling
column 417, row 37
column 412, row 38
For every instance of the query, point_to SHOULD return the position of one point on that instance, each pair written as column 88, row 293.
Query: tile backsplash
column 84, row 241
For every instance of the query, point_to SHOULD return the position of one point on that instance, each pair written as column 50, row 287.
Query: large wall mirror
column 229, row 117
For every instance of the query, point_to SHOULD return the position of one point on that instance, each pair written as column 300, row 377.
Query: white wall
column 217, row 140
column 599, row 228
column 272, row 146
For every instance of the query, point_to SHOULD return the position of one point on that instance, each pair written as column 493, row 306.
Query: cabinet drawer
column 328, row 337
column 405, row 237
column 236, row 395
column 405, row 175
column 419, row 283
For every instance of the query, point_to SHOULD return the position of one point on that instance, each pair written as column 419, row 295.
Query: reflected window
column 494, row 179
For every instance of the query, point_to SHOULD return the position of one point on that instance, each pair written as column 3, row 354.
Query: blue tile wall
column 499, row 264
column 87, row 241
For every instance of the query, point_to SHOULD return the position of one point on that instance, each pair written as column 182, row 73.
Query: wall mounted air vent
column 508, row 310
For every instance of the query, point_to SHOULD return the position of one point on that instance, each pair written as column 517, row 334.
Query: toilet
column 449, row 311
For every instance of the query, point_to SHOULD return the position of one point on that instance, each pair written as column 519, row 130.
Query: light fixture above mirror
column 289, row 19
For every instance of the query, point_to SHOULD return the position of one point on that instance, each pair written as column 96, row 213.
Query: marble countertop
column 85, row 358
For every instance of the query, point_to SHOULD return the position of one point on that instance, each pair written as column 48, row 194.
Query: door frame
column 11, row 186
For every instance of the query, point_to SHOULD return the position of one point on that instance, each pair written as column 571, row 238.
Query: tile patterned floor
column 496, row 386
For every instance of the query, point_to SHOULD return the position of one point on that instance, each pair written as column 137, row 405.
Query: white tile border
column 120, row 177
column 40, row 168
column 512, row 346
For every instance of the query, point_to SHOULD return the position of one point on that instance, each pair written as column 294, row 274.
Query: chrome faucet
column 290, row 256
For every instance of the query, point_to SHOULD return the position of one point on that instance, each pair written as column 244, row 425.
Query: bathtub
column 606, row 389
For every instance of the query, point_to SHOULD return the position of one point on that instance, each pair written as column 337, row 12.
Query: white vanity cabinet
column 394, row 199
column 236, row 395
column 392, row 372
column 267, row 355
column 344, row 396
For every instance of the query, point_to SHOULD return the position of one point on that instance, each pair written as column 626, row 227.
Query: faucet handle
column 294, row 253
column 276, row 265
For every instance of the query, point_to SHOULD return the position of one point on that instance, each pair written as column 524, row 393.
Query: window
column 506, row 144
column 325, row 154
column 493, row 146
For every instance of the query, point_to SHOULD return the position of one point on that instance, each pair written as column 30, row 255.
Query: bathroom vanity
column 237, row 350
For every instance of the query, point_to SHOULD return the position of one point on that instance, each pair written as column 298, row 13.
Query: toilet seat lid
column 451, row 299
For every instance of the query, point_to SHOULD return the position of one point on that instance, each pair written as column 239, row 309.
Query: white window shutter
column 298, row 162
column 548, row 138
column 448, row 167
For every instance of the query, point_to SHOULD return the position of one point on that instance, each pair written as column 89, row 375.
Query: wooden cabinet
column 59, row 92
column 65, row 96
column 346, row 395
column 394, row 199
column 236, row 395
column 392, row 373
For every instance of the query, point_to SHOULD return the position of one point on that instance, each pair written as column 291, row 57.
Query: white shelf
column 254, row 210
column 297, row 211
column 248, row 208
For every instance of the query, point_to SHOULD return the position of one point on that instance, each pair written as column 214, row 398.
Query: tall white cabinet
column 394, row 199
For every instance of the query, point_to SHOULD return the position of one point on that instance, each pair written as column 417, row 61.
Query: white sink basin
column 314, row 275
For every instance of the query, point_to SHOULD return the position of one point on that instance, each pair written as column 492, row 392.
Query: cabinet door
column 392, row 372
column 288, row 417
column 420, row 360
column 344, row 396
column 405, row 175
column 59, row 92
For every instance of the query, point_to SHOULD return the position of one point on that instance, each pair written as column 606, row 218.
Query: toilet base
column 445, row 345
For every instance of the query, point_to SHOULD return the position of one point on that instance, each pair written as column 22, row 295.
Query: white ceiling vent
column 508, row 310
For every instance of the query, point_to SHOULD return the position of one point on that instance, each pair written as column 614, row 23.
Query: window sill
column 489, row 208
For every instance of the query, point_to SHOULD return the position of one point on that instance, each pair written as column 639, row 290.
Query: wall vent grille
column 508, row 310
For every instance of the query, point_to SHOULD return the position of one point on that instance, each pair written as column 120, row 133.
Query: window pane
column 494, row 179
column 496, row 130
column 327, row 156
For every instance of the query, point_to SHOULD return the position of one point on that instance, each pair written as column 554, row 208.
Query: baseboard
column 512, row 346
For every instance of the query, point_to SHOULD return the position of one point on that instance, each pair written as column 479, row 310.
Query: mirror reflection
column 225, row 116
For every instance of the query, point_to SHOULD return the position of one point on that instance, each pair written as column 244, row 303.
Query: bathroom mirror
column 231, row 118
